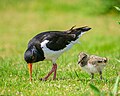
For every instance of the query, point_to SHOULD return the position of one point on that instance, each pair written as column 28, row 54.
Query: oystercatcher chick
column 92, row 64
column 50, row 45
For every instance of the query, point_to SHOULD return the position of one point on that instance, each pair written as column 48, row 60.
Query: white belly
column 89, row 68
column 53, row 55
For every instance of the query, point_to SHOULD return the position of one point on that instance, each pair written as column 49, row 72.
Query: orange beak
column 30, row 70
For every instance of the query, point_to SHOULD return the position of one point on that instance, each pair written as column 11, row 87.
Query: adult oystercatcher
column 92, row 63
column 50, row 45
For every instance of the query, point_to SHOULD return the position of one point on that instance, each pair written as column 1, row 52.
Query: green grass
column 20, row 22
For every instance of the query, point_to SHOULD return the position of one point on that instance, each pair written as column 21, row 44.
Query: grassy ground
column 20, row 22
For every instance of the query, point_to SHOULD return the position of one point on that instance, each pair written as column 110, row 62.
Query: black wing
column 59, row 40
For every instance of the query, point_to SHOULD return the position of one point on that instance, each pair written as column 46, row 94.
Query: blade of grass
column 76, row 74
column 115, row 89
column 95, row 89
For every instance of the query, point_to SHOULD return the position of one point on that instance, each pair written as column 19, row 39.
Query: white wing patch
column 43, row 44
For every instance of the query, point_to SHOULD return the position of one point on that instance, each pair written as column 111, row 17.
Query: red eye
column 33, row 57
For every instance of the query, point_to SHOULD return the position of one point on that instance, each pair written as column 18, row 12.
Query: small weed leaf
column 117, row 8
column 115, row 89
column 117, row 59
column 95, row 89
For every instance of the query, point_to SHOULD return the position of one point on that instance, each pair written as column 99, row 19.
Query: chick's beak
column 30, row 70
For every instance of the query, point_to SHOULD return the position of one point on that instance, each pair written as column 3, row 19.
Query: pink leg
column 54, row 76
column 54, row 69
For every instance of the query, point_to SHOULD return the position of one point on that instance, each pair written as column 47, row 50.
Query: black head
column 32, row 55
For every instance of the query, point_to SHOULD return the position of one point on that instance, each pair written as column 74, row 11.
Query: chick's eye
column 99, row 61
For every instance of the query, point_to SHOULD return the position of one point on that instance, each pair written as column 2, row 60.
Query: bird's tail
column 102, row 61
column 78, row 31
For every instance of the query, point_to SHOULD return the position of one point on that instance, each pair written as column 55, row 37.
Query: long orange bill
column 30, row 70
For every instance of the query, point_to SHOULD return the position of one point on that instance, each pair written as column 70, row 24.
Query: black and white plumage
column 92, row 63
column 51, row 44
